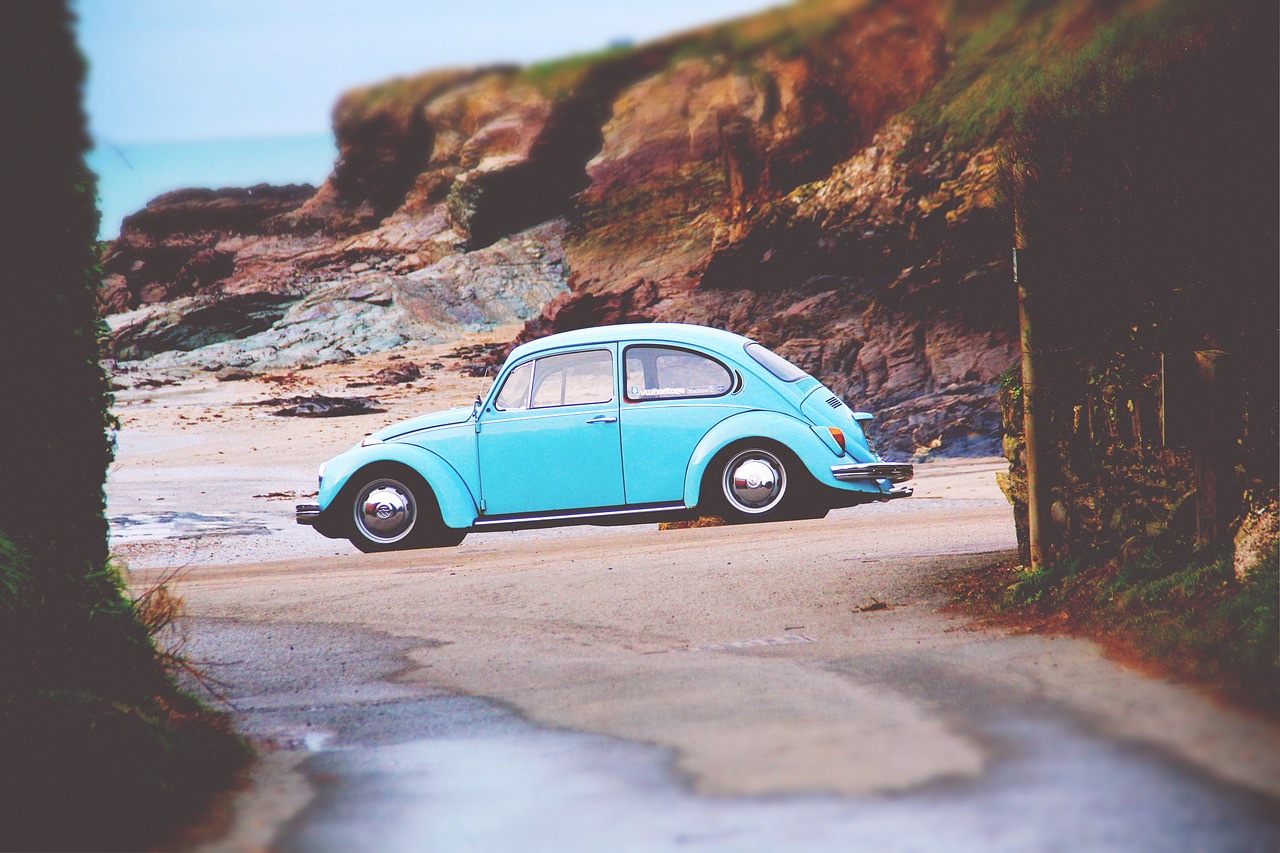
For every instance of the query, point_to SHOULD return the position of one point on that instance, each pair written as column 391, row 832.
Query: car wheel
column 762, row 483
column 397, row 511
column 753, row 485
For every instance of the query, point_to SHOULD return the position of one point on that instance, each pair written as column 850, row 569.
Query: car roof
column 676, row 333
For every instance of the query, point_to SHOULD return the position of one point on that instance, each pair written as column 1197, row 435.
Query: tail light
column 838, row 435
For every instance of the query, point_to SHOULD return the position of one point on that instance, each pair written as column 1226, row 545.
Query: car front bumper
column 894, row 472
column 306, row 513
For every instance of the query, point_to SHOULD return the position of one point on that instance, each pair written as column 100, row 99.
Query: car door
column 672, row 396
column 550, row 438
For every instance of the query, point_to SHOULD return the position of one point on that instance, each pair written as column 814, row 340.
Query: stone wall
column 1129, row 472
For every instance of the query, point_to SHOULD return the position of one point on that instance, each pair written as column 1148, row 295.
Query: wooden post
column 1217, row 495
column 1039, row 498
column 1164, row 430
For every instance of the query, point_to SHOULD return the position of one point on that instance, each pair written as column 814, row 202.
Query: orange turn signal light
column 838, row 435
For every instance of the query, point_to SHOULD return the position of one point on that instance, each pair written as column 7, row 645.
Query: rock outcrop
column 186, row 242
column 366, row 308
column 791, row 176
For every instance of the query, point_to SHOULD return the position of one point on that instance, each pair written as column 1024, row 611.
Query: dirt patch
column 1188, row 622
column 321, row 406
column 394, row 374
column 479, row 359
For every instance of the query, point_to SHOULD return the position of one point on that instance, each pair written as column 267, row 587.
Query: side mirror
column 475, row 407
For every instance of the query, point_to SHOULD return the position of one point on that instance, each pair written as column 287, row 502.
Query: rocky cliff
column 821, row 177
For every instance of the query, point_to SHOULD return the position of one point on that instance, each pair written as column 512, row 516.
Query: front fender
column 457, row 504
column 796, row 435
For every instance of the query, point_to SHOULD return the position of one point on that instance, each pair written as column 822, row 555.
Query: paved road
column 717, row 689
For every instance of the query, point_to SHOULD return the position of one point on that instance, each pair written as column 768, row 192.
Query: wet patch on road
column 159, row 526
column 400, row 768
column 753, row 643
column 494, row 783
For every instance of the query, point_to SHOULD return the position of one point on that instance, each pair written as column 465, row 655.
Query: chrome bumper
column 894, row 472
column 306, row 513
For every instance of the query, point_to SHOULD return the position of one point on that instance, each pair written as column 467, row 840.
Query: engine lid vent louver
column 834, row 402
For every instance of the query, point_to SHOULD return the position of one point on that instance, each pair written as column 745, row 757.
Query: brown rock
column 174, row 246
column 233, row 374
column 757, row 188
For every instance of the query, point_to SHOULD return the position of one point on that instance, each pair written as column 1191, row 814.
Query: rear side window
column 665, row 373
column 774, row 363
column 572, row 379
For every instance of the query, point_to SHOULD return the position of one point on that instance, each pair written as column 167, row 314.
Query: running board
column 584, row 514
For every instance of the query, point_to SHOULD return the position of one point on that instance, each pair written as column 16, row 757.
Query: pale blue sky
column 196, row 69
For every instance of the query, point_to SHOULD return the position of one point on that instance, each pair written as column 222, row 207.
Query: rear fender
column 796, row 435
column 457, row 504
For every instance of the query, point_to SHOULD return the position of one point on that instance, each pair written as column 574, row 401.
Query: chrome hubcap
column 754, row 481
column 385, row 511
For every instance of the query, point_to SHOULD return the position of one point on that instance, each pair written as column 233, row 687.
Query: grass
column 1188, row 614
column 100, row 749
column 787, row 30
column 556, row 77
column 1005, row 53
column 999, row 60
column 86, row 771
column 1008, row 53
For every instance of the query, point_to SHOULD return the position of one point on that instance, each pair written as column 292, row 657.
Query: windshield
column 774, row 363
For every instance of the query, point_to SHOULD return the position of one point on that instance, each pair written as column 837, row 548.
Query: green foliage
column 1000, row 59
column 383, row 94
column 52, row 503
column 1198, row 612
column 557, row 76
column 1189, row 611
column 1042, row 586
column 93, row 733
column 1246, row 625
column 1144, row 175
column 1147, row 190
column 75, row 623
column 73, row 630
column 1008, row 53
column 1011, row 387
column 16, row 594
column 788, row 31
column 93, row 773
column 1140, row 41
column 110, row 754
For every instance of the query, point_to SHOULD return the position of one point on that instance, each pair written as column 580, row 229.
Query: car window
column 774, row 363
column 515, row 391
column 664, row 373
column 573, row 379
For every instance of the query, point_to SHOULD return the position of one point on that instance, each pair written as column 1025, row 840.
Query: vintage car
column 616, row 424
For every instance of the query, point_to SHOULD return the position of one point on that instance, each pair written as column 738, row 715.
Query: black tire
column 760, row 481
column 391, row 508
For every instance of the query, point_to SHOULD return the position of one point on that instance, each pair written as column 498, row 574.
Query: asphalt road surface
column 782, row 686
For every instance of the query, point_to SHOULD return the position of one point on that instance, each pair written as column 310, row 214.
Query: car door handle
column 603, row 419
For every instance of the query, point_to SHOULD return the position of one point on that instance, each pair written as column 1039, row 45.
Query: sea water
column 131, row 174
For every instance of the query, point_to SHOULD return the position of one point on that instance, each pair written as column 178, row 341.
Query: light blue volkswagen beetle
column 616, row 424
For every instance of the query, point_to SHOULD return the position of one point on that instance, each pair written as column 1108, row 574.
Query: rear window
column 774, row 363
column 664, row 373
